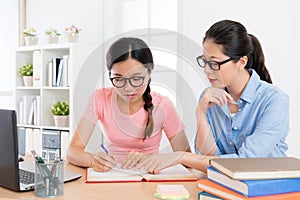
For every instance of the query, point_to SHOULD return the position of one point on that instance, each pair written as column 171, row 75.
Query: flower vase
column 61, row 120
column 52, row 39
column 31, row 40
column 28, row 81
column 72, row 37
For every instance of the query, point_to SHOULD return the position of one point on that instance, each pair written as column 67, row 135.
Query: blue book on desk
column 251, row 188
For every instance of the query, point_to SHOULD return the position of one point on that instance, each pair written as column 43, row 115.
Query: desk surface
column 78, row 189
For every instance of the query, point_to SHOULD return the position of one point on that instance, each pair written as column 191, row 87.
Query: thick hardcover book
column 207, row 196
column 174, row 173
column 255, row 187
column 225, row 193
column 258, row 168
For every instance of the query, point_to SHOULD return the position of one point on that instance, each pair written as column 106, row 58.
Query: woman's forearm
column 196, row 161
column 78, row 157
column 205, row 141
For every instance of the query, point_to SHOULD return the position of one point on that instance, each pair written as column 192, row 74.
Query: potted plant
column 30, row 36
column 26, row 71
column 60, row 111
column 72, row 33
column 52, row 35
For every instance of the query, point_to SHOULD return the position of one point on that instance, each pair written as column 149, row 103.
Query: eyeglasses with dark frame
column 214, row 65
column 134, row 81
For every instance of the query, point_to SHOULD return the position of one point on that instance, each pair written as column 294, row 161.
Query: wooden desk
column 78, row 189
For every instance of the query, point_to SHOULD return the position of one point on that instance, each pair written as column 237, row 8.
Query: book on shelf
column 55, row 67
column 29, row 141
column 50, row 74
column 65, row 73
column 174, row 173
column 36, row 63
column 65, row 140
column 37, row 140
column 255, row 187
column 226, row 193
column 21, row 141
column 37, row 110
column 29, row 110
column 258, row 168
column 60, row 73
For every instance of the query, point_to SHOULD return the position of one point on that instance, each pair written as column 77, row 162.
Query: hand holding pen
column 102, row 161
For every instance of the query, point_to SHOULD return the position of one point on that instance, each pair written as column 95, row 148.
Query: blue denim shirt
column 258, row 129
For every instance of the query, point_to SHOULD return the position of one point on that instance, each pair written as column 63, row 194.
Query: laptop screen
column 9, row 166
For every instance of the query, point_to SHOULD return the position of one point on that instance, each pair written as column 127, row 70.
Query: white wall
column 275, row 24
column 8, row 43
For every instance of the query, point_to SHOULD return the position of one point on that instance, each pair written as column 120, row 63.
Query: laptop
column 11, row 169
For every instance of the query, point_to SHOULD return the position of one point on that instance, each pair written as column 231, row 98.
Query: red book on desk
column 225, row 193
column 174, row 173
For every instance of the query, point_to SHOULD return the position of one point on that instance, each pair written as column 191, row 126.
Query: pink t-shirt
column 124, row 133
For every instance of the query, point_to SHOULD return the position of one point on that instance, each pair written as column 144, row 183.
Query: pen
column 103, row 148
column 43, row 168
column 37, row 158
column 106, row 151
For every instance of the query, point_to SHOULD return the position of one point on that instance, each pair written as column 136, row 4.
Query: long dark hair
column 137, row 49
column 236, row 42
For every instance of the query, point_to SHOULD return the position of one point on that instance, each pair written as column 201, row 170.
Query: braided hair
column 135, row 48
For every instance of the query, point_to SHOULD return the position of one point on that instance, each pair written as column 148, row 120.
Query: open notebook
column 174, row 173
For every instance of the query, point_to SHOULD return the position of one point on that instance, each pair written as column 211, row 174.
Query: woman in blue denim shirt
column 242, row 114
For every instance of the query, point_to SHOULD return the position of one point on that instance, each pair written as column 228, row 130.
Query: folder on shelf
column 60, row 73
column 65, row 73
column 36, row 63
column 55, row 65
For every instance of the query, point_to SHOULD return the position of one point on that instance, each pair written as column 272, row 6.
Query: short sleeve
column 173, row 123
column 89, row 112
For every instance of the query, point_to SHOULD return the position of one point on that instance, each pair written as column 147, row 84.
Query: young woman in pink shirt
column 132, row 116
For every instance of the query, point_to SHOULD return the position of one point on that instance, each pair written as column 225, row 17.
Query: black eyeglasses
column 135, row 81
column 214, row 65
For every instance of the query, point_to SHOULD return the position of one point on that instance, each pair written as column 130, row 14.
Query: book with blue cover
column 225, row 193
column 252, row 188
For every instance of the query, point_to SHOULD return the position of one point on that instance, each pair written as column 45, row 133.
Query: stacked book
column 251, row 178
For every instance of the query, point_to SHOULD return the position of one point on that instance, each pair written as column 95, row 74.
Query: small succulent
column 60, row 108
column 26, row 70
column 52, row 32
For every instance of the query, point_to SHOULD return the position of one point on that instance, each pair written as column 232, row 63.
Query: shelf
column 40, row 97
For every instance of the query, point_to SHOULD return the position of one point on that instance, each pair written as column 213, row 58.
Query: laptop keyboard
column 26, row 177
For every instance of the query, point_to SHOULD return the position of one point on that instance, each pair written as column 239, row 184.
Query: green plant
column 26, row 70
column 52, row 32
column 60, row 108
column 30, row 32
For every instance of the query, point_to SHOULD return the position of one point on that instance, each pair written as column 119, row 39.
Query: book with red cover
column 174, row 173
column 225, row 193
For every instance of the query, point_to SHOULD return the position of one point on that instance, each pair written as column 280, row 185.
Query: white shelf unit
column 48, row 94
